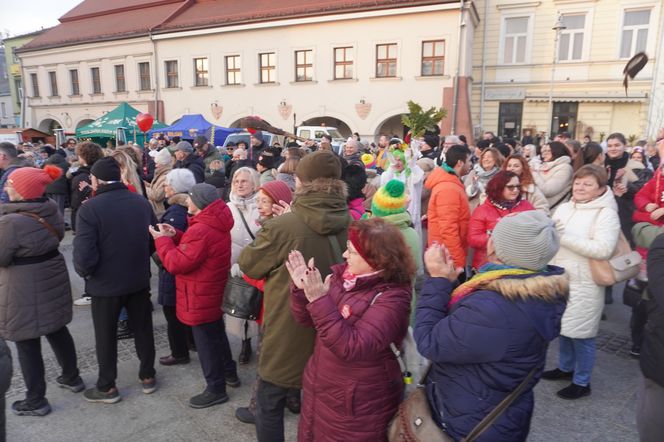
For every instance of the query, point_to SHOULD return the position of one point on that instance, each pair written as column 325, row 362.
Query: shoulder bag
column 623, row 264
column 414, row 422
column 241, row 299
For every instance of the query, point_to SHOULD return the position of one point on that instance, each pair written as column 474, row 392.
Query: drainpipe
column 655, row 74
column 458, row 67
column 23, row 99
column 483, row 86
column 156, row 76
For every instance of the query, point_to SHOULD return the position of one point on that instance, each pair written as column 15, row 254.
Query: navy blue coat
column 112, row 246
column 176, row 216
column 195, row 164
column 481, row 350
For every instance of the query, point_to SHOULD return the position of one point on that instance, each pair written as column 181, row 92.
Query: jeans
column 105, row 312
column 577, row 355
column 637, row 322
column 270, row 404
column 32, row 363
column 177, row 333
column 214, row 353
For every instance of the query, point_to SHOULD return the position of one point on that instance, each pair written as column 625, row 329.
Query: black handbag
column 241, row 299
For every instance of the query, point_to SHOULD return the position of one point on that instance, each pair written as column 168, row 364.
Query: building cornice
column 520, row 5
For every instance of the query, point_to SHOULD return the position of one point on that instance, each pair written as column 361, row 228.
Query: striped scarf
column 486, row 274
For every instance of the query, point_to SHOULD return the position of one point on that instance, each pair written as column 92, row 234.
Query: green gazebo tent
column 105, row 127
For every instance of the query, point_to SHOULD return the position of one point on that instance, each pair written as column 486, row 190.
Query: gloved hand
column 235, row 271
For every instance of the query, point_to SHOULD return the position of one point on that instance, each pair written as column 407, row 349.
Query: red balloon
column 144, row 121
column 251, row 130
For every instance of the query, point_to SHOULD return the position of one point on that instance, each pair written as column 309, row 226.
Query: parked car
column 269, row 138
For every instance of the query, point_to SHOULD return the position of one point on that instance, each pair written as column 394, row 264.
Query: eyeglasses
column 513, row 186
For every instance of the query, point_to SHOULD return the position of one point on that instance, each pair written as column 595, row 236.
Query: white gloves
column 235, row 271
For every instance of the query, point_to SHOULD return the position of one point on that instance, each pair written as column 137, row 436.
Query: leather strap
column 490, row 418
column 43, row 222
column 244, row 221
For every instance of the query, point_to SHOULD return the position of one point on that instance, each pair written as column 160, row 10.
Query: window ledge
column 201, row 87
column 54, row 97
column 343, row 80
column 298, row 83
column 116, row 93
column 274, row 83
column 176, row 88
column 385, row 78
column 100, row 94
column 75, row 96
column 146, row 91
column 433, row 77
column 234, row 85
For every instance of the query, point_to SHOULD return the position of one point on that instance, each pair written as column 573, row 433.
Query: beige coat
column 155, row 192
column 554, row 179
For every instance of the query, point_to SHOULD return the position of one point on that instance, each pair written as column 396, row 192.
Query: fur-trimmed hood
column 322, row 205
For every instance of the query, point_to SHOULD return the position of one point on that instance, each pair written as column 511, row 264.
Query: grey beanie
column 181, row 180
column 527, row 239
column 202, row 195
column 184, row 146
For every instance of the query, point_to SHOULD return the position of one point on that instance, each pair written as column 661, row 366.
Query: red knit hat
column 278, row 191
column 30, row 182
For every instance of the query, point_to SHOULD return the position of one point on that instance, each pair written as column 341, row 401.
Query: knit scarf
column 487, row 273
column 447, row 168
column 243, row 204
column 485, row 175
column 505, row 204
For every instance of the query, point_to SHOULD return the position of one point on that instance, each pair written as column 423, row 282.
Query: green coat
column 319, row 211
column 403, row 222
column 645, row 233
column 212, row 155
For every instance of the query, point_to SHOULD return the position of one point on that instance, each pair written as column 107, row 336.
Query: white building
column 348, row 65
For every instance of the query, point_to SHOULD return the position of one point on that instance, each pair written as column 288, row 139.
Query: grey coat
column 35, row 299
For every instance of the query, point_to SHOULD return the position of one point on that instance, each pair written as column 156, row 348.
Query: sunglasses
column 513, row 186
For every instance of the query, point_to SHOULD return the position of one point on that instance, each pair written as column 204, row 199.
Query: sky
column 24, row 16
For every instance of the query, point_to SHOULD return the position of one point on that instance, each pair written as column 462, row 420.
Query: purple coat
column 352, row 383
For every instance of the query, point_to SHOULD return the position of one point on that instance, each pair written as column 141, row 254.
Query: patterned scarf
column 486, row 274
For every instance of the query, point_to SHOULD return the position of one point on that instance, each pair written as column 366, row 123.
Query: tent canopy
column 106, row 126
column 190, row 126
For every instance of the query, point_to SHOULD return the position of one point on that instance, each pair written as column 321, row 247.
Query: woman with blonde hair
column 485, row 169
column 155, row 190
column 128, row 170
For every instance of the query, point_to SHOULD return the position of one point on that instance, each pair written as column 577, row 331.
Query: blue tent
column 190, row 126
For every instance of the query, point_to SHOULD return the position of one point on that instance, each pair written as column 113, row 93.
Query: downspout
column 458, row 68
column 483, row 86
column 156, row 76
column 655, row 79
column 23, row 100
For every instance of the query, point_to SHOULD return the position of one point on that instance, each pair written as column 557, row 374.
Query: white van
column 316, row 133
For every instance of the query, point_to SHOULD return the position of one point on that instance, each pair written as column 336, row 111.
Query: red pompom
column 53, row 171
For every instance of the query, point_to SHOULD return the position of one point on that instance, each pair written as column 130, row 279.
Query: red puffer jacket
column 482, row 221
column 200, row 259
column 352, row 383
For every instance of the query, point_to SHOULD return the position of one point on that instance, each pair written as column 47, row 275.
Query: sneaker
column 107, row 397
column 83, row 300
column 172, row 360
column 124, row 332
column 245, row 354
column 149, row 385
column 245, row 415
column 233, row 381
column 27, row 408
column 207, row 399
column 635, row 352
column 573, row 391
column 75, row 385
column 557, row 374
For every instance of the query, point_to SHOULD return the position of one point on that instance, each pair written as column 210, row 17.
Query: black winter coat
column 78, row 196
column 652, row 351
column 112, row 246
column 176, row 216
column 59, row 186
column 195, row 164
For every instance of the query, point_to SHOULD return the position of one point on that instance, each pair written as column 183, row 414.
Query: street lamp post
column 557, row 27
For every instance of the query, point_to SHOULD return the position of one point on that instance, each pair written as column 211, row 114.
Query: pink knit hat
column 30, row 182
column 278, row 191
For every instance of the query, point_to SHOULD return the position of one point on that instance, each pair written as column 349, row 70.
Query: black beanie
column 106, row 169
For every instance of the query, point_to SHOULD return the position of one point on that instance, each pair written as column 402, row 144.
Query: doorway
column 509, row 119
column 564, row 118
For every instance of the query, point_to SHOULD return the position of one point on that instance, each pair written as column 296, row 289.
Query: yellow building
column 556, row 66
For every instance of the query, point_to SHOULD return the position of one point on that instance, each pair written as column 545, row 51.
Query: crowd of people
column 477, row 257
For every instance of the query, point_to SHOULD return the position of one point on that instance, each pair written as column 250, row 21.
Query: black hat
column 355, row 177
column 433, row 141
column 269, row 157
column 106, row 169
column 200, row 141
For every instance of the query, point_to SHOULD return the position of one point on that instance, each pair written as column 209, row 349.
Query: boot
column 245, row 353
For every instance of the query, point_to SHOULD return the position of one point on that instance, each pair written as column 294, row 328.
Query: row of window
column 573, row 36
column 432, row 64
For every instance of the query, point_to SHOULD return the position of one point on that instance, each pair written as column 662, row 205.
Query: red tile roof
column 101, row 20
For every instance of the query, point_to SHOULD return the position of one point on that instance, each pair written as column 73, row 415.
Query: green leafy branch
column 419, row 121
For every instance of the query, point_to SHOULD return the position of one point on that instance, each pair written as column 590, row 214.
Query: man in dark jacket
column 488, row 334
column 317, row 227
column 112, row 251
column 59, row 189
column 650, row 398
column 257, row 145
column 208, row 154
column 187, row 159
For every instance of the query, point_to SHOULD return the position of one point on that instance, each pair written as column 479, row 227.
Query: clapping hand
column 440, row 264
column 306, row 277
column 162, row 230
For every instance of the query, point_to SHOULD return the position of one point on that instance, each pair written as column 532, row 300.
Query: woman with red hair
column 352, row 383
column 529, row 191
column 504, row 196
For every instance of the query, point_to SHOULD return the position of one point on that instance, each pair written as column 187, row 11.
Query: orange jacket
column 448, row 213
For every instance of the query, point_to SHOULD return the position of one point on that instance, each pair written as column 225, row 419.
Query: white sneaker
column 84, row 300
